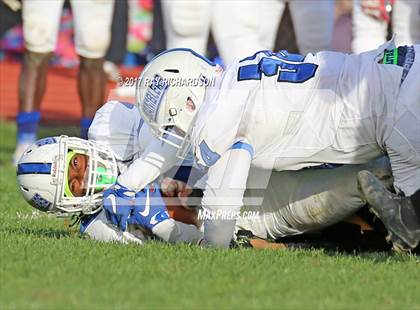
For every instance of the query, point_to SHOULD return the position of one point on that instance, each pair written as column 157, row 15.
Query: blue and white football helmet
column 42, row 174
column 170, row 91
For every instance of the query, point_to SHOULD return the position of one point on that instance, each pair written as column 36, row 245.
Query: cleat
column 396, row 212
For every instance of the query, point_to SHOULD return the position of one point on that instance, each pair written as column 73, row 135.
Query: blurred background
column 61, row 60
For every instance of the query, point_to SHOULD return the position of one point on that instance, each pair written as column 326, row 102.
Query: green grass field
column 44, row 264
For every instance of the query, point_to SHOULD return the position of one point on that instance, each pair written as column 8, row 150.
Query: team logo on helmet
column 41, row 203
column 49, row 140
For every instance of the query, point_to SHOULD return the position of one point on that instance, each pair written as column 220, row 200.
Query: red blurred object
column 379, row 9
column 61, row 103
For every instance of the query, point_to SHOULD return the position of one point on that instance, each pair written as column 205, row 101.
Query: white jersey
column 119, row 126
column 141, row 157
column 288, row 112
column 325, row 108
column 303, row 203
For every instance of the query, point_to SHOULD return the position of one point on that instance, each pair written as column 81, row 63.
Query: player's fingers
column 124, row 221
column 112, row 218
column 110, row 204
column 183, row 201
column 169, row 187
column 185, row 192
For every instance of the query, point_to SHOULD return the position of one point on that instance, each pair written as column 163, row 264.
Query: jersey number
column 289, row 72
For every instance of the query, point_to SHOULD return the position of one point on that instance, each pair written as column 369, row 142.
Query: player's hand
column 119, row 203
column 378, row 9
column 176, row 188
column 150, row 209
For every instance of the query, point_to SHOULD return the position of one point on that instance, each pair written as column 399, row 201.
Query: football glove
column 150, row 209
column 119, row 203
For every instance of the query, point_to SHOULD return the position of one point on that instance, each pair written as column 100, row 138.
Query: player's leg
column 403, row 147
column 92, row 24
column 271, row 13
column 368, row 32
column 187, row 24
column 235, row 27
column 296, row 202
column 403, row 141
column 313, row 22
column 406, row 22
column 400, row 215
column 40, row 25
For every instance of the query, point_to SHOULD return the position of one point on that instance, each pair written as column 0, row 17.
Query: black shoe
column 396, row 212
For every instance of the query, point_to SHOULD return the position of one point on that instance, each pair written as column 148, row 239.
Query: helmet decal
column 49, row 140
column 154, row 96
column 33, row 168
column 41, row 203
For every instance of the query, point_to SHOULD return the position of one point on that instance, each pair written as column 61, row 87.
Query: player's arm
column 151, row 213
column 99, row 227
column 223, row 195
column 157, row 158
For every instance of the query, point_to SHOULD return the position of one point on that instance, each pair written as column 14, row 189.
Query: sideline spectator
column 371, row 19
column 92, row 24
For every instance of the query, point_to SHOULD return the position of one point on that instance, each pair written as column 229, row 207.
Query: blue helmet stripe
column 33, row 168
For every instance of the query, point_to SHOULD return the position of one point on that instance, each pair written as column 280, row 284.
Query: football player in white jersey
column 56, row 175
column 285, row 112
column 305, row 204
column 68, row 175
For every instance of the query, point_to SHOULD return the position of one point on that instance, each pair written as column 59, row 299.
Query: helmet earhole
column 24, row 189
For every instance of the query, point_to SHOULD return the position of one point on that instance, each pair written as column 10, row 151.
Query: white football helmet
column 170, row 91
column 42, row 174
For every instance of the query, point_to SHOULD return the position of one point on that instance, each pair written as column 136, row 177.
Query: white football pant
column 92, row 25
column 313, row 22
column 234, row 26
